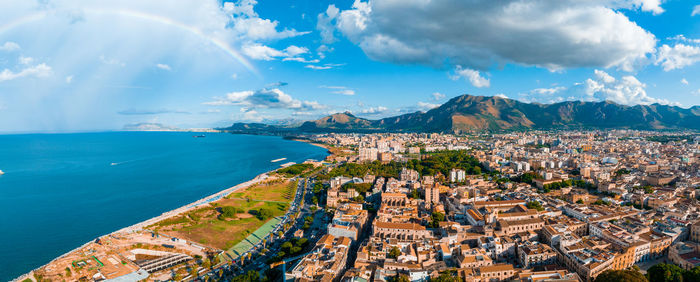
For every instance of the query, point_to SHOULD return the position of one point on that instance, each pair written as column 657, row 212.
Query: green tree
column 394, row 253
column 692, row 274
column 664, row 272
column 264, row 213
column 579, row 201
column 535, row 205
column 445, row 277
column 436, row 217
column 228, row 211
column 621, row 275
column 250, row 276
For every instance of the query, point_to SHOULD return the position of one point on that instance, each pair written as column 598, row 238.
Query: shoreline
column 139, row 226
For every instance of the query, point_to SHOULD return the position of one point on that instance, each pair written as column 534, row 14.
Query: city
column 530, row 206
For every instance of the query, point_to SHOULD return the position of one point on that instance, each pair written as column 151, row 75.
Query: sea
column 60, row 191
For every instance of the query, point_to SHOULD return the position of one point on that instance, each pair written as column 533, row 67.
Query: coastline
column 140, row 226
column 178, row 211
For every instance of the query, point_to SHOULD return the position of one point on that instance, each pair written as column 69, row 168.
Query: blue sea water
column 62, row 190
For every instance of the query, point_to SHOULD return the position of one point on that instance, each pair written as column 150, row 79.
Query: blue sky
column 74, row 65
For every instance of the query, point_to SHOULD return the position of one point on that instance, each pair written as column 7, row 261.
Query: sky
column 80, row 65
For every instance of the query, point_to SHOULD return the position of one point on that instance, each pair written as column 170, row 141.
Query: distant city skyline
column 81, row 66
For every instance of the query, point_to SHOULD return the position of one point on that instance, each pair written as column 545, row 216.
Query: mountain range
column 468, row 113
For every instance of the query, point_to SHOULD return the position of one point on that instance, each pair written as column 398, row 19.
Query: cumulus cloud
column 164, row 67
column 248, row 25
column 325, row 26
column 678, row 56
column 269, row 98
column 40, row 70
column 437, row 96
column 696, row 10
column 627, row 90
column 342, row 90
column 374, row 110
column 553, row 34
column 427, row 106
column 684, row 81
column 473, row 76
column 9, row 46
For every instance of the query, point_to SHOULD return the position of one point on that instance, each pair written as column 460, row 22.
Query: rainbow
column 143, row 16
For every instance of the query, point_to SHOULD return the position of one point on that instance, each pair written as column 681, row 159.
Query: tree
column 228, row 212
column 445, row 277
column 437, row 217
column 394, row 253
column 400, row 278
column 535, row 205
column 579, row 201
column 621, row 275
column 663, row 272
column 250, row 276
column 692, row 274
column 264, row 213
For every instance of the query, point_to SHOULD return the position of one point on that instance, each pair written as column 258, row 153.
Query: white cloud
column 684, row 81
column 437, row 96
column 111, row 61
column 553, row 34
column 696, row 10
column 69, row 79
column 501, row 95
column 342, row 90
column 301, row 60
column 427, row 106
column 325, row 26
column 164, row 67
column 25, row 60
column 41, row 70
column 9, row 46
column 272, row 98
column 258, row 51
column 682, row 38
column 627, row 90
column 234, row 76
column 677, row 57
column 248, row 25
column 323, row 67
column 348, row 92
column 374, row 110
column 549, row 91
column 653, row 6
column 473, row 76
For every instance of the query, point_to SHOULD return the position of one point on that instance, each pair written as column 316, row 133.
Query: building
column 532, row 254
column 324, row 262
column 432, row 194
column 348, row 221
column 457, row 175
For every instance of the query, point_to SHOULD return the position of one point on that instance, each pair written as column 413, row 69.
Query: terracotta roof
column 398, row 225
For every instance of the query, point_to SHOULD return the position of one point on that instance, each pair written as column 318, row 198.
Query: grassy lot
column 208, row 225
column 275, row 190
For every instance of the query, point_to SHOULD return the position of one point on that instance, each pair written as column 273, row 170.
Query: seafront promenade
column 166, row 215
